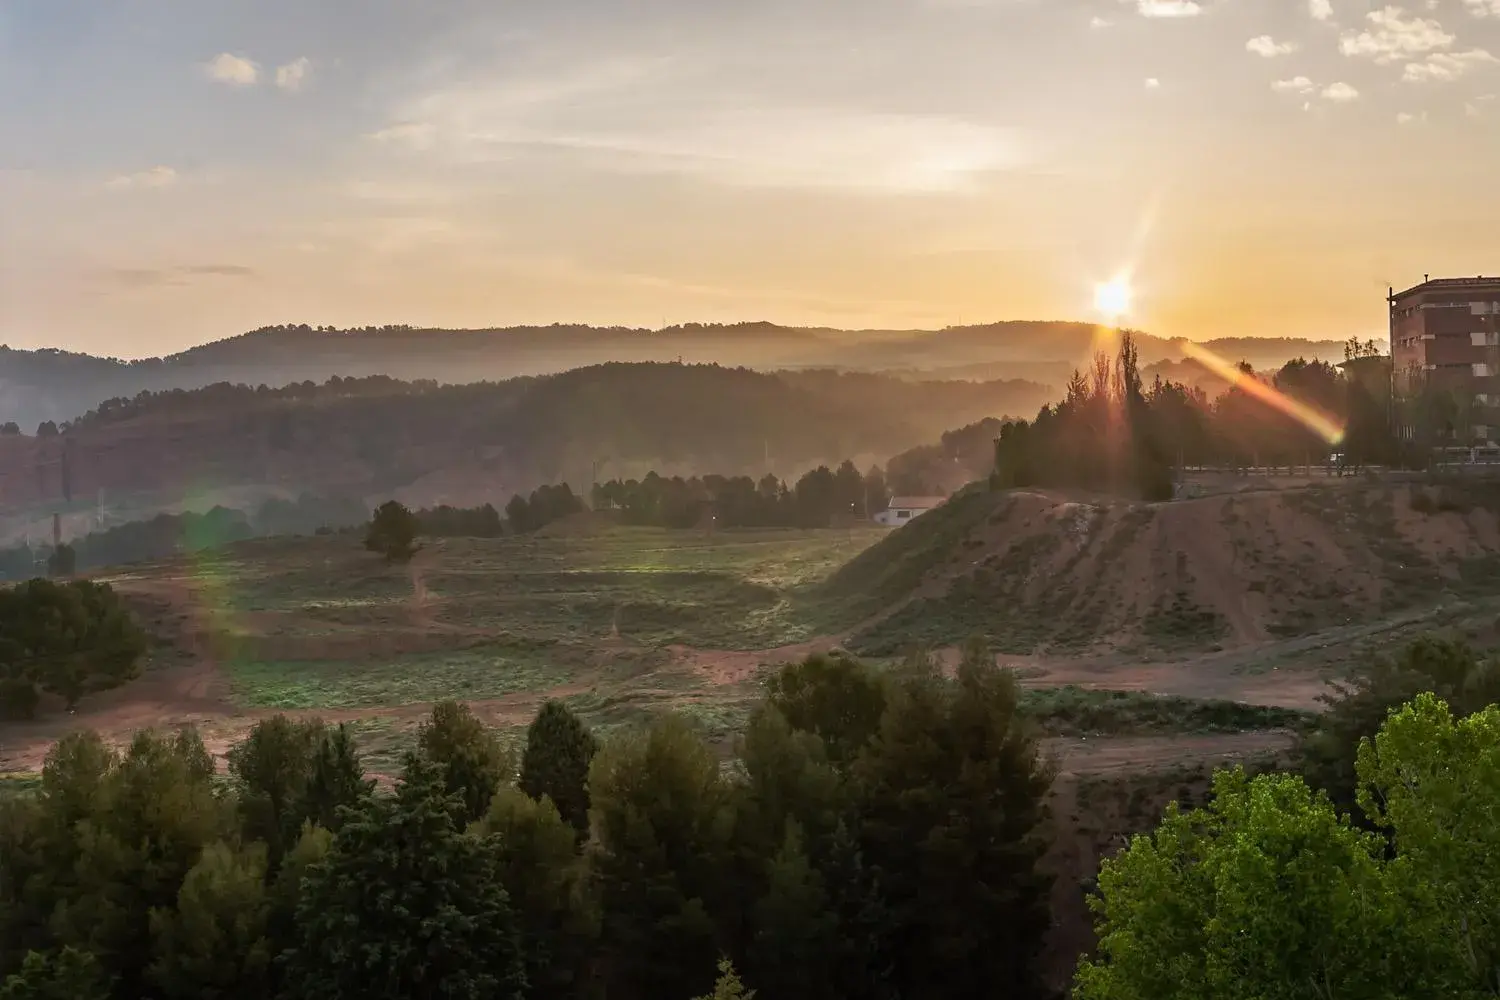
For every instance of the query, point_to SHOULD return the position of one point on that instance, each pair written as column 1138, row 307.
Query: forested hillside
column 57, row 385
column 466, row 445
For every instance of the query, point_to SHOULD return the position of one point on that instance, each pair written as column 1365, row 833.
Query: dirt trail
column 1134, row 754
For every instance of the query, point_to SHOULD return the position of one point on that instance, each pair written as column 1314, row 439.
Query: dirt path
column 1277, row 688
column 1115, row 755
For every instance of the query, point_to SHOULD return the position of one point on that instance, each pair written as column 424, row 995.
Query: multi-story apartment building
column 1445, row 333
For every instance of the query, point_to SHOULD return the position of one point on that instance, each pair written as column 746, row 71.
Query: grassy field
column 320, row 624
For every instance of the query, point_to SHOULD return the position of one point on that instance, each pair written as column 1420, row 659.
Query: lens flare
column 1321, row 425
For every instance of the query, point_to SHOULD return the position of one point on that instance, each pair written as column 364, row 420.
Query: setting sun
column 1112, row 298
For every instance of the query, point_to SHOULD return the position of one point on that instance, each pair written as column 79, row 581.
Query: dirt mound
column 1044, row 572
column 584, row 523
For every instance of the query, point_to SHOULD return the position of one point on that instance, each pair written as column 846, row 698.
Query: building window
column 901, row 514
column 1481, row 432
column 1480, row 369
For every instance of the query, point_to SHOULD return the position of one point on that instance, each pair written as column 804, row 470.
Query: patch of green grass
column 1182, row 623
column 1075, row 711
column 474, row 673
column 19, row 783
column 730, row 589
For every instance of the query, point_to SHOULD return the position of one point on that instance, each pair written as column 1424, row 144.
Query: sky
column 178, row 171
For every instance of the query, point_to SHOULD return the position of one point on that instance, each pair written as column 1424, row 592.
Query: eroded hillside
column 1043, row 572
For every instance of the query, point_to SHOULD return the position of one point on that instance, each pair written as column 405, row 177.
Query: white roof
column 916, row 503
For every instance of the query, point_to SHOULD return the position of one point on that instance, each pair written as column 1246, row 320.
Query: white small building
column 903, row 509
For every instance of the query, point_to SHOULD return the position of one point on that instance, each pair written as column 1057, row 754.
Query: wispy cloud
column 1445, row 66
column 1152, row 83
column 1296, row 85
column 237, row 71
column 1166, row 8
column 1340, row 93
column 294, row 75
column 1099, row 22
column 1394, row 35
column 612, row 117
column 1265, row 45
column 1320, row 10
column 157, row 277
column 1407, row 118
column 1483, row 8
column 155, row 177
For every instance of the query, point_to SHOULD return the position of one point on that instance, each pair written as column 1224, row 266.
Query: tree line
column 1113, row 433
column 165, row 535
column 877, row 838
column 817, row 498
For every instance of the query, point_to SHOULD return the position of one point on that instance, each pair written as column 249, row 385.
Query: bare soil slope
column 1044, row 572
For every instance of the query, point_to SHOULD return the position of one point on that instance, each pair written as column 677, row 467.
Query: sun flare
column 1112, row 299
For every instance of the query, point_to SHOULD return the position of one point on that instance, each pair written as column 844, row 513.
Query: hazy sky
column 176, row 171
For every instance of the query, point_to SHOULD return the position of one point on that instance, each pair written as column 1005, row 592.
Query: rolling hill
column 58, row 385
column 1047, row 573
column 470, row 444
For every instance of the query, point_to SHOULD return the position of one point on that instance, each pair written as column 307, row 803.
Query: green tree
column 1270, row 892
column 1433, row 783
column 795, row 945
column 832, row 696
column 950, row 794
column 1266, row 893
column 69, row 974
column 808, row 930
column 120, row 834
column 272, row 767
column 405, row 905
column 468, row 754
column 392, row 532
column 212, row 946
column 284, row 893
column 728, row 986
column 337, row 779
column 536, row 859
column 1362, row 701
column 555, row 762
column 69, row 639
column 662, row 828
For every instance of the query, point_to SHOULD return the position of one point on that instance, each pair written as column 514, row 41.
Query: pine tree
column 393, row 532
column 405, row 905
column 69, row 974
column 471, row 759
column 337, row 779
column 537, row 861
column 272, row 767
column 661, row 823
column 951, row 795
column 555, row 763
column 212, row 945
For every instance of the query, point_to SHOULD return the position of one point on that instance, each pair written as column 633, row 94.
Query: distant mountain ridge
column 59, row 385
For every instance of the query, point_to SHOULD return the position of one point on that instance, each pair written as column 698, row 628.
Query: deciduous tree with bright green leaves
column 1270, row 892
